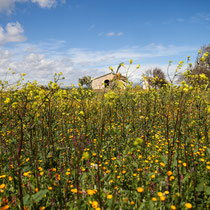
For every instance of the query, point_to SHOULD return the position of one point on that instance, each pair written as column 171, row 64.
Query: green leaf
column 27, row 200
column 207, row 190
column 26, row 169
column 39, row 195
column 185, row 179
column 208, row 151
column 200, row 187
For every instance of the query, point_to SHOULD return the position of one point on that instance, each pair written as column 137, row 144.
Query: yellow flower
column 109, row 196
column 14, row 105
column 162, row 198
column 171, row 178
column 2, row 186
column 67, row 173
column 26, row 173
column 5, row 207
column 162, row 164
column 131, row 61
column 154, row 199
column 173, row 207
column 49, row 188
column 74, row 190
column 91, row 192
column 203, row 58
column 140, row 189
column 153, row 176
column 188, row 205
column 54, row 86
column 160, row 194
column 203, row 77
column 184, row 164
column 7, row 100
column 42, row 208
column 94, row 204
column 169, row 173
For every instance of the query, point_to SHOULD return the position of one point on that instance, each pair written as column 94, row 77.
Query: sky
column 84, row 37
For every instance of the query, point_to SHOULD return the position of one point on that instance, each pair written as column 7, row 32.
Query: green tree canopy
column 155, row 77
column 85, row 81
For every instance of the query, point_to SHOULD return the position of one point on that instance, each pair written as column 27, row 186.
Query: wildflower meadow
column 122, row 148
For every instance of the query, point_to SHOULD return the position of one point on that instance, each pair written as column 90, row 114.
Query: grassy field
column 123, row 149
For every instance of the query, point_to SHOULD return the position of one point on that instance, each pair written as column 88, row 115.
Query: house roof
column 103, row 76
column 123, row 77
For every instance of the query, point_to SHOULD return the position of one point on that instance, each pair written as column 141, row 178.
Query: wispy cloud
column 111, row 34
column 200, row 17
column 9, row 5
column 13, row 33
column 45, row 3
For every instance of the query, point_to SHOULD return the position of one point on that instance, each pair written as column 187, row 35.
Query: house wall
column 145, row 85
column 98, row 83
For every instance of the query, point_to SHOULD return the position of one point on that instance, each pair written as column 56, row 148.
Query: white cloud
column 45, row 3
column 120, row 33
column 5, row 5
column 41, row 61
column 13, row 33
column 9, row 5
column 111, row 34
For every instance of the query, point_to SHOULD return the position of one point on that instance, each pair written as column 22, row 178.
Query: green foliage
column 86, row 80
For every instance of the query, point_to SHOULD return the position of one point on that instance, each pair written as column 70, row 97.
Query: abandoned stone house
column 104, row 81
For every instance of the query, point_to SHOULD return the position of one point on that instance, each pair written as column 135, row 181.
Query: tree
column 155, row 77
column 204, row 53
column 86, row 80
column 195, row 74
column 202, row 65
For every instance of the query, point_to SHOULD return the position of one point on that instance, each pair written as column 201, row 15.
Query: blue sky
column 85, row 37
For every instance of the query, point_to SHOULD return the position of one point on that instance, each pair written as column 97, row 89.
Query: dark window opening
column 106, row 83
